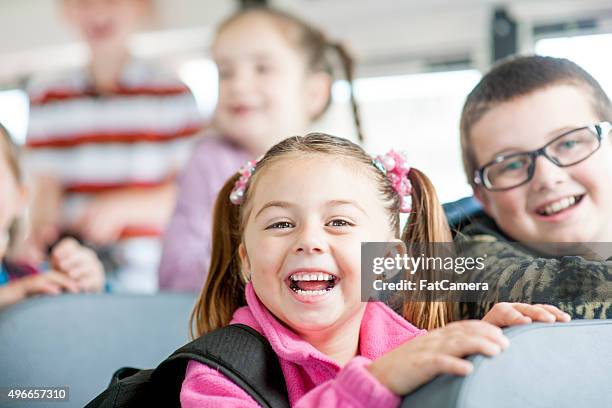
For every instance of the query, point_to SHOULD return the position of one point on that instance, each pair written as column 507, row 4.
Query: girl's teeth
column 312, row 277
column 310, row 292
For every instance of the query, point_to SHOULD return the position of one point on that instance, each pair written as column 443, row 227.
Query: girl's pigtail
column 426, row 226
column 223, row 292
column 427, row 222
column 348, row 66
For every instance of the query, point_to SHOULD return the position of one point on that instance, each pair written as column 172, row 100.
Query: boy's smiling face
column 528, row 123
column 105, row 24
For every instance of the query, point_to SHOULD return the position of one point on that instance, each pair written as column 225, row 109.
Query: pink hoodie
column 313, row 380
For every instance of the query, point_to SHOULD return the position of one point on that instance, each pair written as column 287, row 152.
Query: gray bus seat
column 79, row 341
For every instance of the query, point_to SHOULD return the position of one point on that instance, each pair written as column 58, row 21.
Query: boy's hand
column 509, row 314
column 79, row 263
column 105, row 218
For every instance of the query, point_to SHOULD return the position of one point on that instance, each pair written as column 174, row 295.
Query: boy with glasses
column 537, row 148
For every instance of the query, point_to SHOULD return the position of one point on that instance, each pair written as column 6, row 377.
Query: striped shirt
column 138, row 136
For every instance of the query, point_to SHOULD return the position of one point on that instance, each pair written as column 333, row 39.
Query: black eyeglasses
column 568, row 149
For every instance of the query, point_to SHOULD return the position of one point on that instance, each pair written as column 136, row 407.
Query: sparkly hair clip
column 246, row 171
column 393, row 165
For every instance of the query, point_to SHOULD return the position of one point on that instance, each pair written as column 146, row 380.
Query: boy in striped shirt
column 105, row 143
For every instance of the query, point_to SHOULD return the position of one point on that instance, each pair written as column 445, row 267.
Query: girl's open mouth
column 312, row 283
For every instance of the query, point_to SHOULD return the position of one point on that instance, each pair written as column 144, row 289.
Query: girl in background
column 286, row 261
column 74, row 268
column 275, row 78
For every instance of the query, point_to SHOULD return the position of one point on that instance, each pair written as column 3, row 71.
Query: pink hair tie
column 393, row 165
column 246, row 171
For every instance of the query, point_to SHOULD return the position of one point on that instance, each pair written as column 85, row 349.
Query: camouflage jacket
column 578, row 286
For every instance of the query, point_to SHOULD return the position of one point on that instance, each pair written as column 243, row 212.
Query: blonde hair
column 10, row 154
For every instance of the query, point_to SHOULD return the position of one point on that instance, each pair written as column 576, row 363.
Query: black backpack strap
column 241, row 354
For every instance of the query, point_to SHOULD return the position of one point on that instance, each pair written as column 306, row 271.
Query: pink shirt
column 313, row 380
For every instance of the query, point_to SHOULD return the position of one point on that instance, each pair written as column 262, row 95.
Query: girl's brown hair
column 315, row 46
column 223, row 291
column 426, row 226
